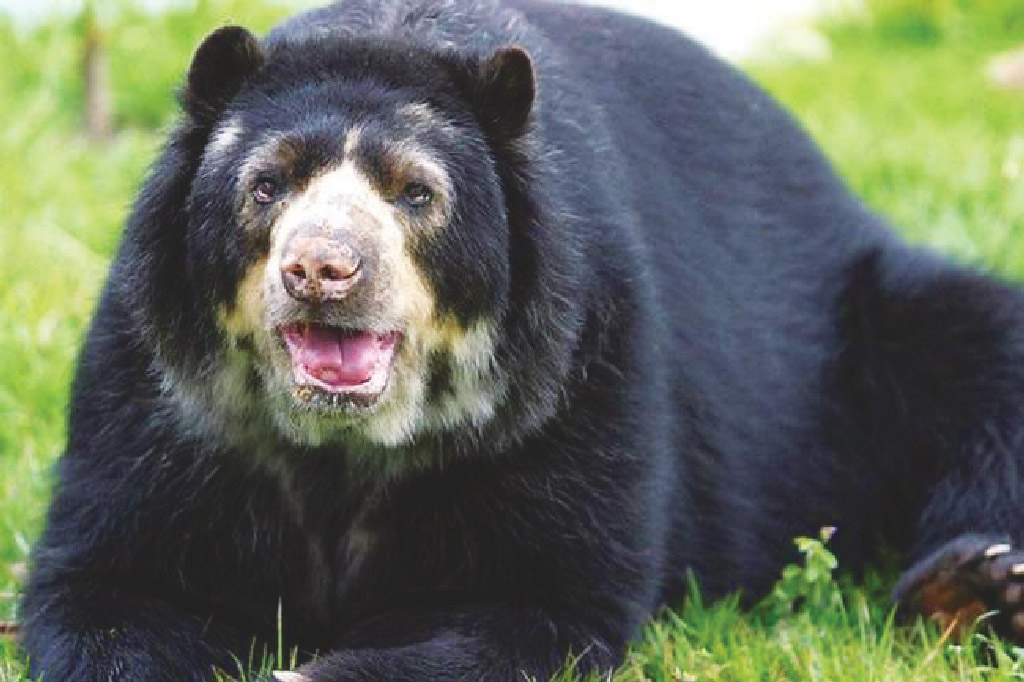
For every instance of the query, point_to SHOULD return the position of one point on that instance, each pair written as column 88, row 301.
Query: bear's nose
column 320, row 269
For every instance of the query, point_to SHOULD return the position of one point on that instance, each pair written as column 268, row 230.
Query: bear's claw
column 289, row 676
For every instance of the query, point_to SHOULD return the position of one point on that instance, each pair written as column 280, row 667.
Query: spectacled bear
column 450, row 334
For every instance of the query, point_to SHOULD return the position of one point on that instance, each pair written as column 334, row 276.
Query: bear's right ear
column 509, row 89
column 222, row 62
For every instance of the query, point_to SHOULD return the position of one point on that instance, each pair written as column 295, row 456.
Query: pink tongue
column 337, row 359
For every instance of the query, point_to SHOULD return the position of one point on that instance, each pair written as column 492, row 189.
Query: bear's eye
column 265, row 190
column 417, row 195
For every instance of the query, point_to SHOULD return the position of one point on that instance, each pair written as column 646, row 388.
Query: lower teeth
column 315, row 398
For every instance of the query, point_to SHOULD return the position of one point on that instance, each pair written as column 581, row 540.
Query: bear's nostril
column 319, row 272
column 331, row 273
column 296, row 281
column 339, row 269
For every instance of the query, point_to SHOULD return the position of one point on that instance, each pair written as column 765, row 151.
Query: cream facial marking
column 420, row 112
column 248, row 311
column 343, row 198
column 423, row 117
column 476, row 385
column 352, row 141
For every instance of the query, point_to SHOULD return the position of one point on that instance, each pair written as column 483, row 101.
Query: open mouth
column 345, row 364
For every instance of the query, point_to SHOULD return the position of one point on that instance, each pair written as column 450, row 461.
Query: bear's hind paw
column 966, row 579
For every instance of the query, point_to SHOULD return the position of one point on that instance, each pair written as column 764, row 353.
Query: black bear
column 449, row 335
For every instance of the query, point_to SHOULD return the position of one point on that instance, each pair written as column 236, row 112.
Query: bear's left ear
column 222, row 62
column 508, row 91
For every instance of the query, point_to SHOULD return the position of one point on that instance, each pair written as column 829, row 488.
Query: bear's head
column 345, row 242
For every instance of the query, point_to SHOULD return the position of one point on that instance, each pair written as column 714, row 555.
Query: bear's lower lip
column 339, row 362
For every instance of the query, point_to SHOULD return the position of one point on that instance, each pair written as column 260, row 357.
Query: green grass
column 908, row 120
column 920, row 135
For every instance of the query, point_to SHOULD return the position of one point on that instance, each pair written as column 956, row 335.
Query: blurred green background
column 900, row 101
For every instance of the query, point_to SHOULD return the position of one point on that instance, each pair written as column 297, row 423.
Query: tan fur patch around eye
column 409, row 163
column 247, row 312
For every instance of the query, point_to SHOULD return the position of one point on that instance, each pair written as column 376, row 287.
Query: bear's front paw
column 965, row 578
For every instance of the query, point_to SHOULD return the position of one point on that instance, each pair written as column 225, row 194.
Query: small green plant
column 261, row 662
column 808, row 589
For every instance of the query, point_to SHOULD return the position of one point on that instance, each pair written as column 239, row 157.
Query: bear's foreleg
column 93, row 634
column 489, row 643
